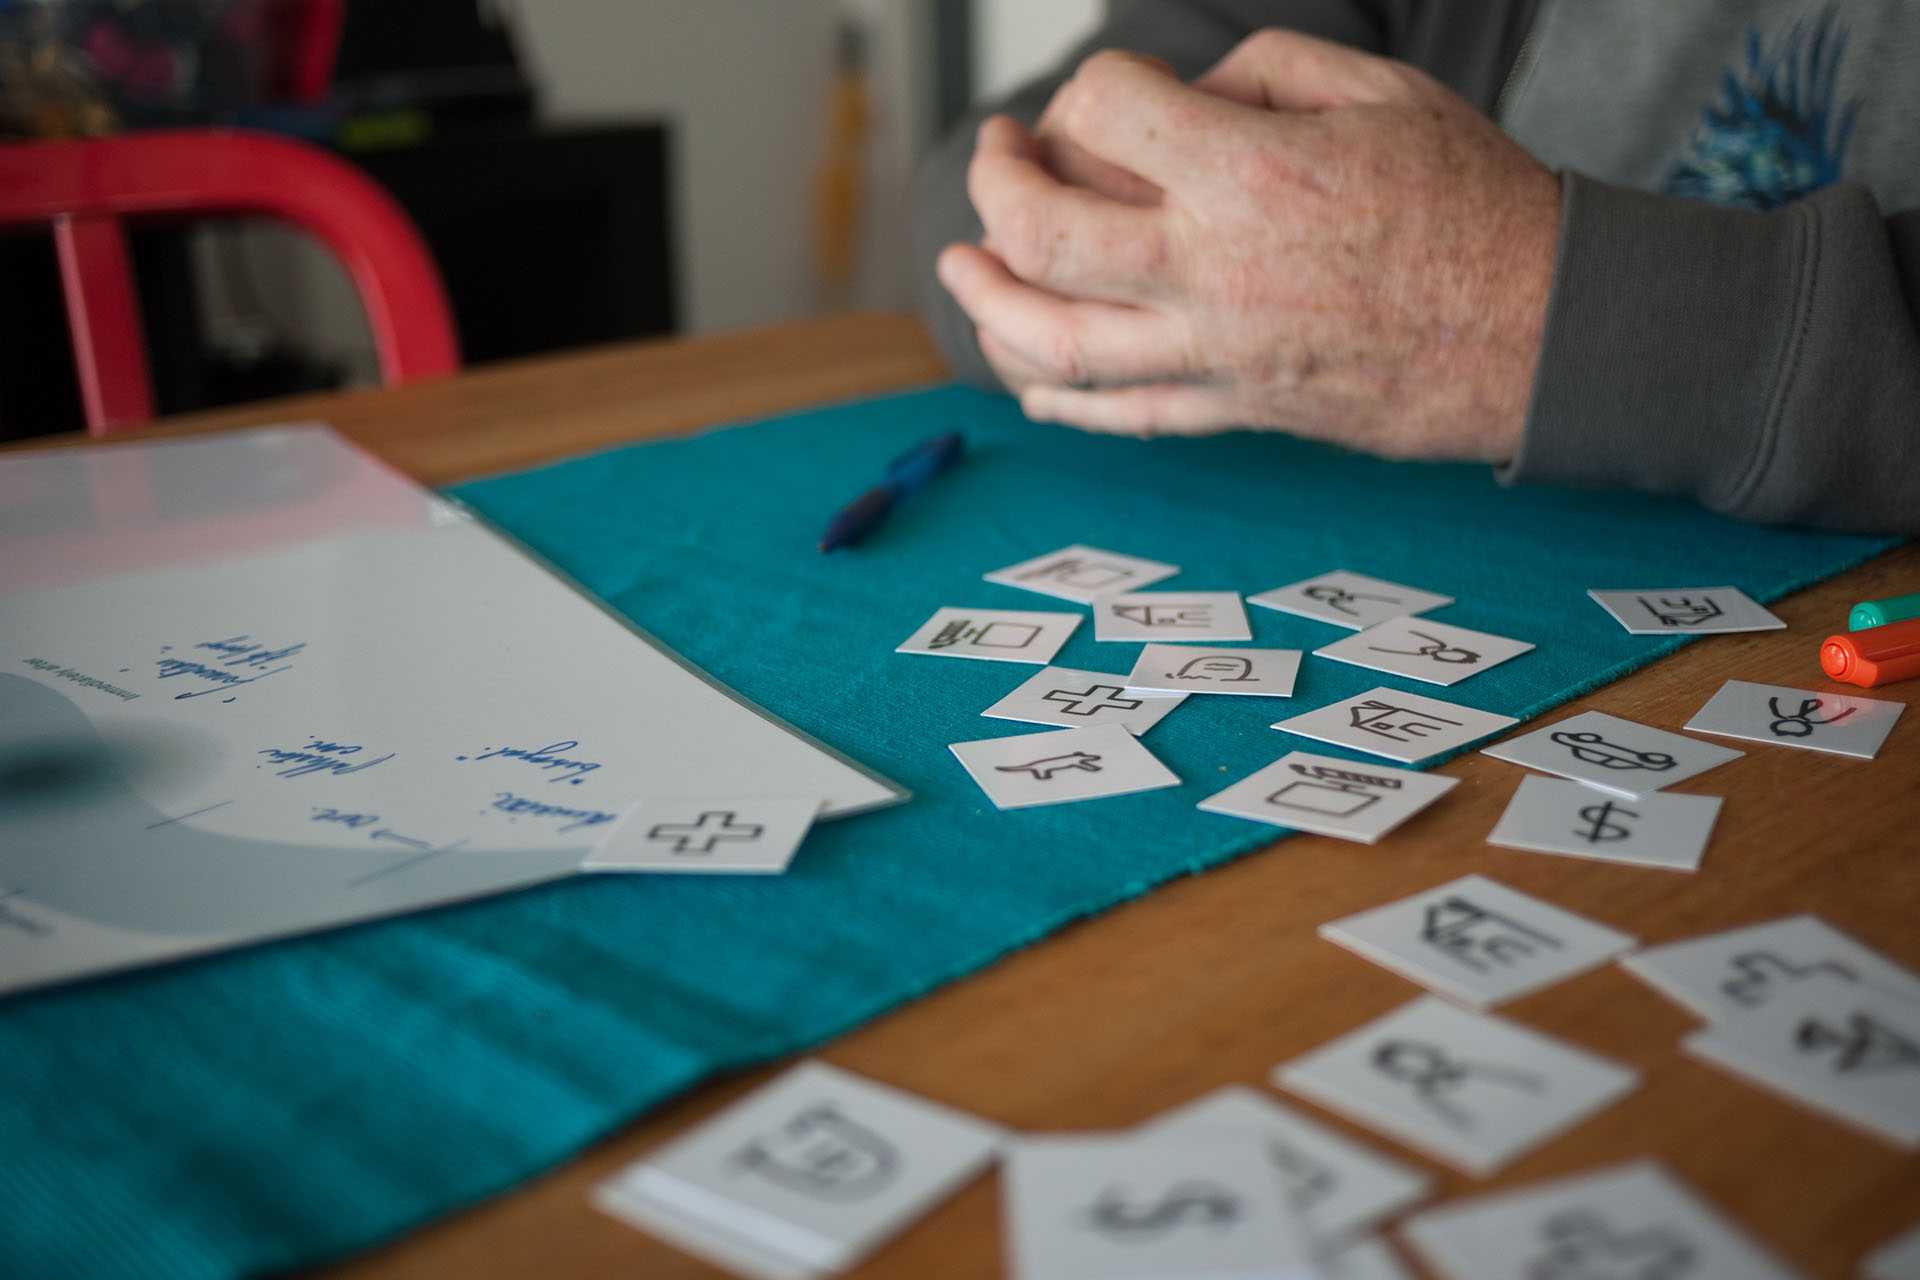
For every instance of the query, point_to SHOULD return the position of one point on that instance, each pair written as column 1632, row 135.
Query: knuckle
column 1258, row 171
column 1092, row 88
column 1268, row 42
column 1401, row 82
column 1026, row 240
column 980, row 188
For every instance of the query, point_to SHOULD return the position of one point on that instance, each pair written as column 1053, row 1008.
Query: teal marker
column 1878, row 613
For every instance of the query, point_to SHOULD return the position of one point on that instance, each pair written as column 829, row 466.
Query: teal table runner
column 284, row 1104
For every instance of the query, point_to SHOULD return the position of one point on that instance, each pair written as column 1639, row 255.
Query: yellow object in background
column 840, row 189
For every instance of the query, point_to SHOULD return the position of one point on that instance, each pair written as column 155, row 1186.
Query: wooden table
column 1217, row 977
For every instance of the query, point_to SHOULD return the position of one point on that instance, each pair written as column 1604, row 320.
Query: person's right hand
column 1340, row 248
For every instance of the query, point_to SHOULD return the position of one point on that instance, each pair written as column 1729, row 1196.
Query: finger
column 1015, row 371
column 1068, row 341
column 1133, row 113
column 1060, row 237
column 1165, row 408
column 1076, row 166
column 1281, row 70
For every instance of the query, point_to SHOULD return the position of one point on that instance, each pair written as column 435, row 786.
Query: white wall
column 745, row 83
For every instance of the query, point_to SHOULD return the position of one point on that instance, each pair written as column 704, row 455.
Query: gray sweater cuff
column 1763, row 363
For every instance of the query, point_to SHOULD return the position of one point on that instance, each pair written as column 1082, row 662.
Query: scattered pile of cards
column 817, row 1168
column 1793, row 1005
column 1798, row 1007
column 1612, row 805
column 1610, row 802
column 1188, row 651
column 809, row 1174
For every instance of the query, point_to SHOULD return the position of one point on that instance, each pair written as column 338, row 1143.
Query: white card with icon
column 743, row 835
column 1330, row 796
column 1408, row 727
column 1478, row 941
column 1336, row 1186
column 806, row 1174
column 1351, row 600
column 1369, row 1259
column 997, row 635
column 1838, row 1046
column 1659, row 829
column 1190, row 668
column 1616, row 755
column 1686, row 610
column 1147, row 1205
column 1422, row 649
column 1068, row 697
column 1836, row 723
column 1731, row 973
column 1082, row 574
column 1171, row 616
column 1058, row 768
column 1627, row 1222
column 1472, row 1089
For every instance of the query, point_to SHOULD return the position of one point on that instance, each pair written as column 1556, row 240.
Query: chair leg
column 103, row 313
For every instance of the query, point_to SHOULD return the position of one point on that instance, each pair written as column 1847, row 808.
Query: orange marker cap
column 1876, row 655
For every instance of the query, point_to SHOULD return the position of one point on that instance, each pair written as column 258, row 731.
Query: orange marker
column 1876, row 655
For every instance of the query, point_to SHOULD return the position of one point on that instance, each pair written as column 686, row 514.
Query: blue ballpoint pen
column 907, row 474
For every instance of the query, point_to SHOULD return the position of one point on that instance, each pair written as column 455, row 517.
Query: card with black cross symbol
column 1065, row 696
column 741, row 835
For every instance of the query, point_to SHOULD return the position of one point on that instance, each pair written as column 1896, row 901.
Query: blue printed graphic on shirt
column 1777, row 132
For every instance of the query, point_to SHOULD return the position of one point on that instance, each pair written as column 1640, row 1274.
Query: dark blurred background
column 583, row 171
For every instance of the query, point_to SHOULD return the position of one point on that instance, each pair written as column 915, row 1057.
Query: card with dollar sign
column 1149, row 1206
column 1338, row 1187
column 1659, row 829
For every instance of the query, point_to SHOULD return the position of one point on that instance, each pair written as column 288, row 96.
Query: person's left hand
column 1319, row 241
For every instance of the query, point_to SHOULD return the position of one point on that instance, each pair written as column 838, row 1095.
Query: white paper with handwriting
column 258, row 684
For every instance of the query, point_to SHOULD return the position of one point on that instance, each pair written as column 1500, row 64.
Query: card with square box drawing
column 997, row 635
column 1330, row 796
column 1082, row 574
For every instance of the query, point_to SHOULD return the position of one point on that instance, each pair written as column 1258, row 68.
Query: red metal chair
column 85, row 190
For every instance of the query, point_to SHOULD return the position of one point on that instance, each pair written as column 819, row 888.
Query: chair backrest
column 86, row 190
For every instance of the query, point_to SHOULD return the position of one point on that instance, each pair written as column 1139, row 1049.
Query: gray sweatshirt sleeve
column 1766, row 364
column 1191, row 35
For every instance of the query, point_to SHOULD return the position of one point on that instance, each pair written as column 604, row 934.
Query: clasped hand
column 1308, row 239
